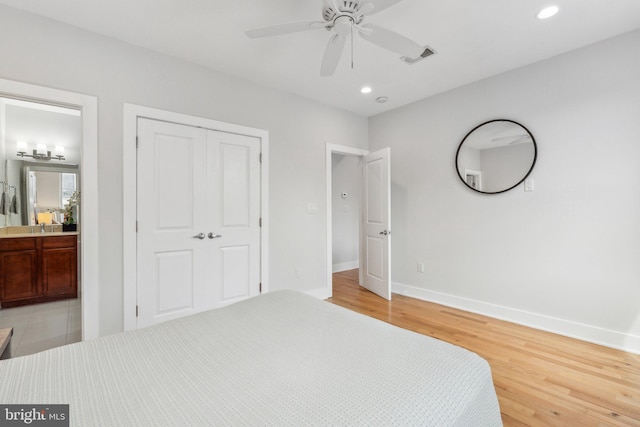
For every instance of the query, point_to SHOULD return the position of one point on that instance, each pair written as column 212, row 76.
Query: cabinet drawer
column 18, row 244
column 59, row 242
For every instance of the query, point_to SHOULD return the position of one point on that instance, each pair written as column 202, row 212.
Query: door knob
column 200, row 236
column 213, row 235
column 385, row 232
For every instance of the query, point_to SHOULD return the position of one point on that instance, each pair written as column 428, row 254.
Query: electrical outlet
column 420, row 267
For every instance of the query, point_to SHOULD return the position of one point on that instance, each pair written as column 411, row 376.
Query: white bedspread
column 282, row 358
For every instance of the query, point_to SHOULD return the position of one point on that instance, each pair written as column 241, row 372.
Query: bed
column 283, row 358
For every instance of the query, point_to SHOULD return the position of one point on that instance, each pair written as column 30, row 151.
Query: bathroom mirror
column 46, row 190
column 496, row 156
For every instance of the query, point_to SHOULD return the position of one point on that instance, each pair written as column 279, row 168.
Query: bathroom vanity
column 38, row 267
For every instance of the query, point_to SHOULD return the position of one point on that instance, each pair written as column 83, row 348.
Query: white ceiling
column 473, row 39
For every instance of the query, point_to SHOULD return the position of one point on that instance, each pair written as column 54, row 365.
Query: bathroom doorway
column 81, row 313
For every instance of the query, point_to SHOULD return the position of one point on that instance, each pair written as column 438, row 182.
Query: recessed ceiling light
column 365, row 89
column 548, row 12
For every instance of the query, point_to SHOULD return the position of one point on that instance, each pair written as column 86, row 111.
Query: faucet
column 42, row 227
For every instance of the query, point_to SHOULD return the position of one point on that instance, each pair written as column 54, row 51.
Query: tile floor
column 40, row 327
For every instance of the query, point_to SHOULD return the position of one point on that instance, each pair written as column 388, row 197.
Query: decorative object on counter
column 69, row 227
column 41, row 152
column 69, row 223
column 496, row 156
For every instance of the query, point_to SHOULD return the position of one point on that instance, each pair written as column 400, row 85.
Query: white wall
column 565, row 257
column 40, row 51
column 346, row 178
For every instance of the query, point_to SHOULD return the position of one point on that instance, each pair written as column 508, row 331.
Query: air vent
column 425, row 54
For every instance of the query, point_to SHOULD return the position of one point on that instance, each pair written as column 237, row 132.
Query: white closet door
column 198, row 200
column 234, row 215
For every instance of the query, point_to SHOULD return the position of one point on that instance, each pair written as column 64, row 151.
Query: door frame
column 129, row 193
column 329, row 150
column 89, row 226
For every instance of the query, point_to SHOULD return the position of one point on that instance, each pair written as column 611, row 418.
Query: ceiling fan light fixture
column 548, row 12
column 366, row 89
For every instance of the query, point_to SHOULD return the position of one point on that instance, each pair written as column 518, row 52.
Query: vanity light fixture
column 40, row 152
column 548, row 12
column 365, row 89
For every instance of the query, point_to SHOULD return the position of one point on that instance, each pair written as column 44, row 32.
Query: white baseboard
column 583, row 332
column 344, row 266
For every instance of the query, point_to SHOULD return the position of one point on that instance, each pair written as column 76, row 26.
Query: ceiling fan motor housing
column 345, row 7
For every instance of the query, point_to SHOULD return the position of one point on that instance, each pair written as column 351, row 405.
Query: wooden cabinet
column 38, row 269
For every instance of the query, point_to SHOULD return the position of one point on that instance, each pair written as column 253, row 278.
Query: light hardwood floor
column 541, row 379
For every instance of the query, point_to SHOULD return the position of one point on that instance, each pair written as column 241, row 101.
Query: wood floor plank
column 542, row 379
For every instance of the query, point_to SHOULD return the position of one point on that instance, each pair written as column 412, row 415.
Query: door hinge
column 260, row 222
column 136, row 311
column 260, row 287
column 136, row 226
column 137, row 142
column 260, row 157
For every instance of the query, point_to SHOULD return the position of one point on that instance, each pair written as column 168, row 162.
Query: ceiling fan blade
column 278, row 30
column 335, row 6
column 365, row 9
column 332, row 55
column 379, row 5
column 391, row 41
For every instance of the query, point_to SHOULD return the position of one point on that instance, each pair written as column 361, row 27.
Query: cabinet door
column 59, row 271
column 18, row 275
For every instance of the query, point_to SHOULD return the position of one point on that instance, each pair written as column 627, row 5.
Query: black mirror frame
column 535, row 156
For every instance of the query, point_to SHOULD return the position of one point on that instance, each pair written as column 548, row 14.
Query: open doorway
column 337, row 154
column 40, row 294
column 374, row 251
column 346, row 171
column 62, row 106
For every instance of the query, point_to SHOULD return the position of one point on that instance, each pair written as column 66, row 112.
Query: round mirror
column 496, row 156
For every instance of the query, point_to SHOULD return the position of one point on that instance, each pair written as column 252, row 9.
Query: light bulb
column 548, row 12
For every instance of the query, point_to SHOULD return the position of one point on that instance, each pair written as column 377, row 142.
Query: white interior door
column 198, row 242
column 376, row 220
column 233, row 215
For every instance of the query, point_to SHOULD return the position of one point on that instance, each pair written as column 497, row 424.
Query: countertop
column 18, row 231
column 38, row 234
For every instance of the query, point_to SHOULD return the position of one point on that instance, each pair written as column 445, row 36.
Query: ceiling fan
column 343, row 17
